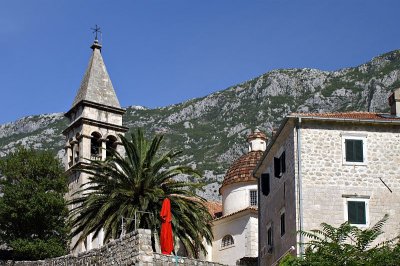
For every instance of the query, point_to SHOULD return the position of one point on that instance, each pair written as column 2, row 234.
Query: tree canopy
column 138, row 182
column 33, row 211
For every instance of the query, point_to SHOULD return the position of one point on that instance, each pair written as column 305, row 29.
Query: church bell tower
column 95, row 120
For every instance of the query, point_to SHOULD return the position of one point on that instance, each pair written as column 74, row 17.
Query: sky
column 162, row 52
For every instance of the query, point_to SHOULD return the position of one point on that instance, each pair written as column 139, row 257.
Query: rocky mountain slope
column 212, row 130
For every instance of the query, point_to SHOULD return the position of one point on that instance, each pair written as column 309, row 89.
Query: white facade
column 243, row 227
column 236, row 232
column 236, row 197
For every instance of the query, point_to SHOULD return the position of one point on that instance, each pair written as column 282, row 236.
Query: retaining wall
column 133, row 249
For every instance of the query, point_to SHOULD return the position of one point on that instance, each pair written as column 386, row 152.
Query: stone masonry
column 133, row 249
column 328, row 181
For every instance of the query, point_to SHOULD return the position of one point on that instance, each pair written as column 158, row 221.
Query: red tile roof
column 242, row 169
column 251, row 208
column 349, row 115
column 214, row 208
column 256, row 134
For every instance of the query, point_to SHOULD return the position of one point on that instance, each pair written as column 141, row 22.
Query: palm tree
column 138, row 182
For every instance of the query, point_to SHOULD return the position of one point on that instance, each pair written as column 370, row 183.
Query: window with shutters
column 280, row 165
column 356, row 211
column 265, row 184
column 354, row 149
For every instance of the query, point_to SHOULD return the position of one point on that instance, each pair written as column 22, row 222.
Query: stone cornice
column 93, row 122
column 95, row 105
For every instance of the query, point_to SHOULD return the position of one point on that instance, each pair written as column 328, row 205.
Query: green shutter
column 356, row 212
column 349, row 150
column 354, row 150
column 358, row 150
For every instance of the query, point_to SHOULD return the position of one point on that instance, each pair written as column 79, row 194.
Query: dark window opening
column 95, row 146
column 283, row 224
column 77, row 153
column 356, row 212
column 269, row 239
column 265, row 184
column 111, row 145
column 227, row 241
column 280, row 165
column 354, row 150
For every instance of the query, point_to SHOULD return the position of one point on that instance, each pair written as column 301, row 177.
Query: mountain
column 212, row 130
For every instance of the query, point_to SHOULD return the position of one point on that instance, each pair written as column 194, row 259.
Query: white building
column 329, row 168
column 235, row 232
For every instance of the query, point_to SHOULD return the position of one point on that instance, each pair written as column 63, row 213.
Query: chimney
column 394, row 103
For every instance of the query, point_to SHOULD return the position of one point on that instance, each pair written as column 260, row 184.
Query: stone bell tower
column 95, row 120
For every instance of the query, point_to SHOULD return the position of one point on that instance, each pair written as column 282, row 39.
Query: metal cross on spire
column 96, row 30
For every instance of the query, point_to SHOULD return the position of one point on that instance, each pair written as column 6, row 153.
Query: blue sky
column 164, row 52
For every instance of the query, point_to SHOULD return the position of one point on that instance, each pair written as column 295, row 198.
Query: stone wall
column 281, row 199
column 133, row 249
column 329, row 181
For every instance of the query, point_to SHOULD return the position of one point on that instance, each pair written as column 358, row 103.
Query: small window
column 253, row 197
column 354, row 149
column 95, row 146
column 227, row 241
column 111, row 145
column 280, row 165
column 265, row 184
column 283, row 229
column 269, row 238
column 356, row 211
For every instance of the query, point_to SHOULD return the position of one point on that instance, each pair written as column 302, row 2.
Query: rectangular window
column 354, row 150
column 270, row 241
column 356, row 212
column 280, row 165
column 283, row 224
column 265, row 184
column 253, row 197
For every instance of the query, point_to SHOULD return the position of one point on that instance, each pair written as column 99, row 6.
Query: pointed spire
column 96, row 84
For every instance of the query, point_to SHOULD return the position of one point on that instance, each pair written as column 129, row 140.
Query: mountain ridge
column 212, row 130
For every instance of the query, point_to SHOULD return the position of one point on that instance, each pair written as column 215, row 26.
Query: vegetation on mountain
column 347, row 245
column 138, row 182
column 33, row 212
column 212, row 130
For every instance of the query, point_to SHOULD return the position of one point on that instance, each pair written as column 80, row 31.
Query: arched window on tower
column 111, row 144
column 76, row 148
column 95, row 146
column 70, row 152
column 227, row 241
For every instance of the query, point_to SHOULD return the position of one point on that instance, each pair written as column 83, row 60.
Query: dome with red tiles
column 242, row 169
